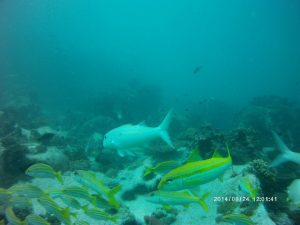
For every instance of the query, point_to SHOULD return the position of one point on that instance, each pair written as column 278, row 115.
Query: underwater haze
column 114, row 112
column 68, row 50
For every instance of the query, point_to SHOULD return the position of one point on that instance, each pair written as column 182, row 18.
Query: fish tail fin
column 59, row 177
column 66, row 214
column 85, row 207
column 147, row 171
column 202, row 201
column 163, row 129
column 111, row 196
column 286, row 153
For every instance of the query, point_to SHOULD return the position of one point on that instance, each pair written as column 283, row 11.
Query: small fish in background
column 206, row 100
column 238, row 219
column 183, row 198
column 193, row 174
column 293, row 191
column 247, row 186
column 197, row 69
column 162, row 167
column 33, row 219
column 41, row 170
column 128, row 137
column 99, row 214
column 286, row 154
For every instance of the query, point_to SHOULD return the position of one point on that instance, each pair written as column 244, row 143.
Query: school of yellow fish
column 93, row 196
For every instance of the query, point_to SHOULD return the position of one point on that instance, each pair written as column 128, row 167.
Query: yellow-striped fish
column 67, row 199
column 81, row 222
column 77, row 192
column 162, row 167
column 99, row 214
column 184, row 198
column 4, row 195
column 62, row 214
column 27, row 190
column 193, row 174
column 12, row 218
column 71, row 202
column 237, row 218
column 194, row 155
column 99, row 201
column 42, row 170
column 20, row 202
column 90, row 180
column 246, row 185
column 36, row 220
column 2, row 222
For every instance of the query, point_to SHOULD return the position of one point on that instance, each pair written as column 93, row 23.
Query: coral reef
column 266, row 175
column 227, row 207
column 74, row 142
column 245, row 142
column 163, row 216
column 13, row 160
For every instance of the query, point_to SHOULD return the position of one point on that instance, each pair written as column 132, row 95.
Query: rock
column 53, row 156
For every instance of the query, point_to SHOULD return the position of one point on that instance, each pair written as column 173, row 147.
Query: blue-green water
column 230, row 70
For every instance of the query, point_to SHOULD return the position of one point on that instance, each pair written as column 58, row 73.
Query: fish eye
column 151, row 194
column 170, row 179
column 105, row 137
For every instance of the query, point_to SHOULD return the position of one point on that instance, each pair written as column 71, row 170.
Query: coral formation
column 266, row 175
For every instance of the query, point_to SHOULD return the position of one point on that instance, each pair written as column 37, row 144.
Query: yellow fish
column 193, row 174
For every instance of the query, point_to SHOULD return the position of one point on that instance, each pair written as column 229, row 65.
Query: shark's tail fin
column 163, row 129
column 286, row 153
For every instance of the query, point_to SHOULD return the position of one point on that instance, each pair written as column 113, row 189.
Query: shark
column 286, row 154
